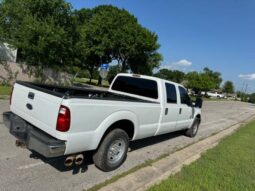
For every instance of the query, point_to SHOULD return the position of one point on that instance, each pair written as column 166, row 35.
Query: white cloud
column 182, row 65
column 183, row 62
column 247, row 76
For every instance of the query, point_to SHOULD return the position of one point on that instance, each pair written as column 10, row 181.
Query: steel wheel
column 116, row 151
column 112, row 152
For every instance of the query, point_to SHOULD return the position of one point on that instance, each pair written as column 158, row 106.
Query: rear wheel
column 192, row 131
column 112, row 152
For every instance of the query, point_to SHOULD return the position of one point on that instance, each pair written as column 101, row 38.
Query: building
column 7, row 53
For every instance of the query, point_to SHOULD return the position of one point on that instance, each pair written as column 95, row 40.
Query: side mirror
column 199, row 102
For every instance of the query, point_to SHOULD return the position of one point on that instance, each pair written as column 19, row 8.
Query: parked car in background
column 215, row 94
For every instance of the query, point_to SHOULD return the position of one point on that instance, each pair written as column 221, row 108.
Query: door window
column 185, row 99
column 171, row 93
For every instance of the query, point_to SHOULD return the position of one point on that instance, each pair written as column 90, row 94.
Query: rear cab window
column 138, row 86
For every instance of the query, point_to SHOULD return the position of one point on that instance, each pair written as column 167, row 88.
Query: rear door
column 185, row 109
column 171, row 109
column 37, row 107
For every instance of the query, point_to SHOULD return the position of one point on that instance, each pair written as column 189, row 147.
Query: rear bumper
column 32, row 137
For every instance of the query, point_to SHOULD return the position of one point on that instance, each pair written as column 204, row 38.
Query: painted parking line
column 30, row 166
column 35, row 164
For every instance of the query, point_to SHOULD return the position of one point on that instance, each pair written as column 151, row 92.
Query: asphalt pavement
column 22, row 170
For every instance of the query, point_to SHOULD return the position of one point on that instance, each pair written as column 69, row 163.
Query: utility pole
column 246, row 97
column 242, row 94
column 245, row 88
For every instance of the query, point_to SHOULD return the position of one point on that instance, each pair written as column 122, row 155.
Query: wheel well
column 125, row 125
column 199, row 117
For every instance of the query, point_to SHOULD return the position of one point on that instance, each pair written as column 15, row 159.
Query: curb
column 162, row 169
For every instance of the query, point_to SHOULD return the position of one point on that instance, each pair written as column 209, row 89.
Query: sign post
column 103, row 70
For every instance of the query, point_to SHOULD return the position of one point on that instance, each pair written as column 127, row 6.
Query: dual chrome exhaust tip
column 74, row 159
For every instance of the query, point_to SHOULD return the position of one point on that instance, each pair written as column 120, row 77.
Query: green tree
column 203, row 81
column 41, row 30
column 242, row 95
column 199, row 81
column 113, row 71
column 49, row 34
column 114, row 34
column 252, row 98
column 89, row 54
column 172, row 75
column 215, row 77
column 228, row 87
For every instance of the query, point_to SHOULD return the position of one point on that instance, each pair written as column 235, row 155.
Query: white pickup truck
column 56, row 121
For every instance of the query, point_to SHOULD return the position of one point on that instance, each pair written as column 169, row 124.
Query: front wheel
column 192, row 131
column 112, row 152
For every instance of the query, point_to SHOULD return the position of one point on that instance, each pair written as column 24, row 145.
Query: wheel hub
column 116, row 151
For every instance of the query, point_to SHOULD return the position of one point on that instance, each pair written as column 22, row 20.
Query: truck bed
column 78, row 92
column 39, row 105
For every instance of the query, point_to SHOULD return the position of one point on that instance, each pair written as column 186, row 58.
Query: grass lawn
column 93, row 82
column 5, row 90
column 228, row 166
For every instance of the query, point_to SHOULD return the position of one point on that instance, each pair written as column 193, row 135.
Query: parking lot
column 22, row 170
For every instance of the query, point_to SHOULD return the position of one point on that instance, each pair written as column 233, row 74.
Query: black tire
column 192, row 132
column 112, row 151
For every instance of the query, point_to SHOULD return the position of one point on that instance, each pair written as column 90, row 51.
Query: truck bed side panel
column 87, row 116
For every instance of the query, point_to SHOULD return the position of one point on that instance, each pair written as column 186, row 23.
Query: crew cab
column 56, row 121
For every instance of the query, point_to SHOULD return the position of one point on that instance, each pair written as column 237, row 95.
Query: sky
column 193, row 34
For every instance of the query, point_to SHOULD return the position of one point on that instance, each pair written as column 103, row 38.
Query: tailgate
column 36, row 107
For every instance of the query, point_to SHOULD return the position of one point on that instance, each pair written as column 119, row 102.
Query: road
column 22, row 170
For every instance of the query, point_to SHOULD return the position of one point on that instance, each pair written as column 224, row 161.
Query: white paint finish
column 186, row 113
column 185, row 117
column 168, row 119
column 90, row 118
column 45, row 109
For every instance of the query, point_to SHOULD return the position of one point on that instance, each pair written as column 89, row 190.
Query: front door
column 185, row 110
column 171, row 109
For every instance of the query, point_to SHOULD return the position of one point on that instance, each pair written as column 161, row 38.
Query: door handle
column 166, row 111
column 180, row 110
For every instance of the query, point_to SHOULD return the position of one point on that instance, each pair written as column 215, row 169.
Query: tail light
column 10, row 99
column 64, row 119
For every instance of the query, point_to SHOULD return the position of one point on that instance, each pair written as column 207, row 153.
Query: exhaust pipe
column 69, row 161
column 79, row 159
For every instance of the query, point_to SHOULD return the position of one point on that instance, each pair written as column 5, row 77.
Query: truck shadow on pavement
column 135, row 145
column 58, row 163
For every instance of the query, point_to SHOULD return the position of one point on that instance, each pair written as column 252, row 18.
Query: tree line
column 197, row 81
column 51, row 34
